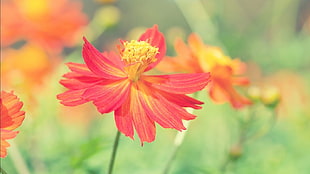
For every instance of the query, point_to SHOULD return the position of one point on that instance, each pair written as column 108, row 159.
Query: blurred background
column 271, row 36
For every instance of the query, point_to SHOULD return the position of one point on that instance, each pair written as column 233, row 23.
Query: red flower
column 11, row 118
column 117, row 83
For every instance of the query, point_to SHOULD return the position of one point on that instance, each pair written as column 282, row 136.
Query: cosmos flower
column 49, row 23
column 27, row 69
column 198, row 58
column 116, row 82
column 11, row 118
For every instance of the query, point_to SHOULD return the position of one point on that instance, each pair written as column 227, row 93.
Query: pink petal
column 13, row 107
column 8, row 134
column 132, row 113
column 109, row 97
column 82, row 78
column 178, row 83
column 156, row 39
column 80, row 69
column 175, row 109
column 72, row 97
column 123, row 119
column 159, row 109
column 224, row 92
column 75, row 84
column 115, row 59
column 182, row 100
column 99, row 64
column 18, row 119
column 143, row 124
column 5, row 135
column 242, row 81
column 81, row 73
column 11, row 115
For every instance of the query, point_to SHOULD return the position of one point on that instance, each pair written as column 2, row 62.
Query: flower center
column 137, row 55
column 34, row 9
column 138, row 51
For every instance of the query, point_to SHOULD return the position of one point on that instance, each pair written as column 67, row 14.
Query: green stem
column 266, row 129
column 242, row 138
column 2, row 171
column 225, row 164
column 243, row 134
column 178, row 140
column 19, row 162
column 177, row 143
column 169, row 163
column 112, row 160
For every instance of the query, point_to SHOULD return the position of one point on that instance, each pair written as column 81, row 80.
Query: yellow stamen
column 137, row 55
column 139, row 51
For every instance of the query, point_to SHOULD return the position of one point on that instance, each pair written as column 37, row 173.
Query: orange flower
column 11, row 118
column 25, row 69
column 197, row 58
column 50, row 23
column 118, row 83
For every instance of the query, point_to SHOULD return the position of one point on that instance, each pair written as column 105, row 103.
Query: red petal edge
column 156, row 39
column 178, row 83
column 99, row 64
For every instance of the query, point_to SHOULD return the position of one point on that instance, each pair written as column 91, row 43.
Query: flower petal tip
column 155, row 27
column 84, row 38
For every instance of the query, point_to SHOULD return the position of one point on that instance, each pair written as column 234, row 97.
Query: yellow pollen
column 138, row 52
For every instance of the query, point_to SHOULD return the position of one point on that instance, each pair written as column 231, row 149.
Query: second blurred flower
column 197, row 57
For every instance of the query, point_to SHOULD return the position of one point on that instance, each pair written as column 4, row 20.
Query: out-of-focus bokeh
column 272, row 37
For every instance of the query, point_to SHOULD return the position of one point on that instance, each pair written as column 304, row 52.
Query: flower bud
column 270, row 96
column 254, row 93
column 235, row 151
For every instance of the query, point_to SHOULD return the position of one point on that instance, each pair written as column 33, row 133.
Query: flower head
column 26, row 69
column 198, row 58
column 11, row 118
column 50, row 24
column 116, row 82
